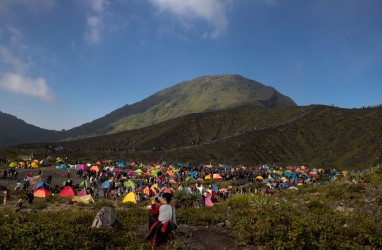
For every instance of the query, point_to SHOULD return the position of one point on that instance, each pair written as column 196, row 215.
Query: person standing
column 5, row 196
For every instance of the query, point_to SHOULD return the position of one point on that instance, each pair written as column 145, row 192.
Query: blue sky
column 64, row 63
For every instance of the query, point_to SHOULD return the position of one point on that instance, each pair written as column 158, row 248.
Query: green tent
column 130, row 184
column 13, row 164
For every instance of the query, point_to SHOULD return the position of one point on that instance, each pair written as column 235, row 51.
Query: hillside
column 14, row 131
column 202, row 94
column 313, row 135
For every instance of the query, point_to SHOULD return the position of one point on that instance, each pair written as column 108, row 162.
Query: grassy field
column 339, row 215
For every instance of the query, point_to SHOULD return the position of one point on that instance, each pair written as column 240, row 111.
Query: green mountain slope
column 195, row 96
column 314, row 135
column 198, row 95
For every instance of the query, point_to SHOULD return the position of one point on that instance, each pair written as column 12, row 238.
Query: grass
column 307, row 218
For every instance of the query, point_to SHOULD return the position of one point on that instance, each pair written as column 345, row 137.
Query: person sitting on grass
column 163, row 229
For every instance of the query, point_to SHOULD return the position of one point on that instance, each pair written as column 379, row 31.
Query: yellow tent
column 34, row 165
column 207, row 177
column 130, row 197
column 86, row 199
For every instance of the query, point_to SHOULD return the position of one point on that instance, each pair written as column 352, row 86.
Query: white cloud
column 99, row 5
column 7, row 57
column 93, row 32
column 26, row 86
column 95, row 21
column 214, row 12
column 16, row 35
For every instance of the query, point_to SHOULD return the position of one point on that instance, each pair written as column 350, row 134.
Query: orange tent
column 94, row 168
column 42, row 193
column 170, row 173
column 146, row 191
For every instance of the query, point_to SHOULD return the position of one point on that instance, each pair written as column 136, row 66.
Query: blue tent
column 193, row 174
column 215, row 188
column 120, row 164
column 40, row 184
column 62, row 166
column 105, row 184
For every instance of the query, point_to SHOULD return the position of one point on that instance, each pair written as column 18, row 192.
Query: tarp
column 68, row 191
column 33, row 180
column 86, row 199
column 42, row 193
column 130, row 197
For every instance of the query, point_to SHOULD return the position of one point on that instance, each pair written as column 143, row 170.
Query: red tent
column 68, row 191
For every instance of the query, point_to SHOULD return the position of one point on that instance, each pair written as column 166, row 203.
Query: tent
column 83, row 192
column 62, row 166
column 207, row 177
column 34, row 165
column 83, row 167
column 42, row 192
column 217, row 177
column 86, row 199
column 40, row 184
column 146, row 190
column 130, row 197
column 68, row 191
column 130, row 184
column 106, row 184
column 208, row 202
column 94, row 168
column 13, row 164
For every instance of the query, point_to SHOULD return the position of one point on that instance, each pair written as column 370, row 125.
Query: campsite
column 264, row 207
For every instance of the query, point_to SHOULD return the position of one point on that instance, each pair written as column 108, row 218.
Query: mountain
column 14, row 131
column 319, row 136
column 202, row 94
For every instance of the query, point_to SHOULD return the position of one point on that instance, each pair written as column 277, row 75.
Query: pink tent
column 217, row 177
column 83, row 167
column 83, row 192
column 208, row 202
